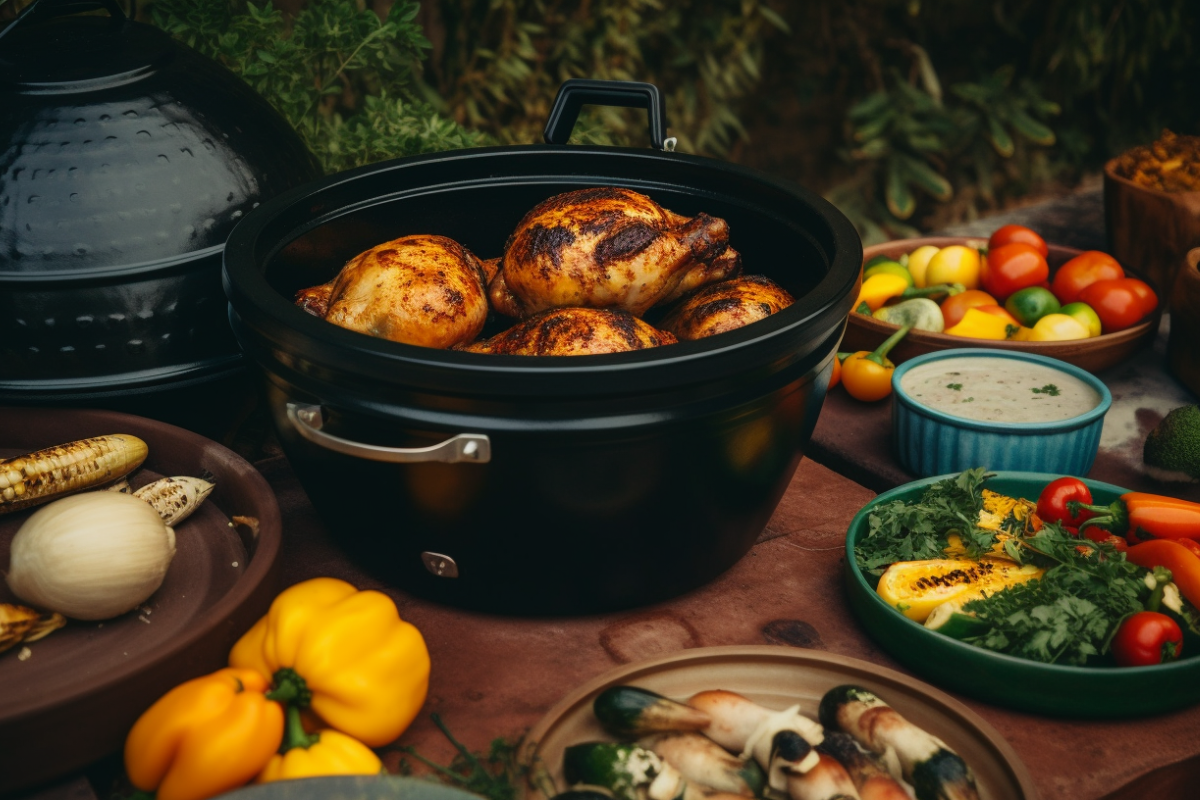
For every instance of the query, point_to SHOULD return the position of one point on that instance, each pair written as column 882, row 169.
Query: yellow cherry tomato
column 918, row 263
column 1057, row 328
column 954, row 264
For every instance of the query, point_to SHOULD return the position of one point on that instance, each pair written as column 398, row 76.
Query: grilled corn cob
column 1007, row 516
column 22, row 624
column 915, row 588
column 175, row 498
column 49, row 474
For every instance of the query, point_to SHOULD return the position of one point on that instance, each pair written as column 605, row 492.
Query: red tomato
column 1011, row 267
column 1081, row 271
column 1017, row 233
column 1052, row 502
column 1100, row 535
column 956, row 305
column 1119, row 302
column 1146, row 638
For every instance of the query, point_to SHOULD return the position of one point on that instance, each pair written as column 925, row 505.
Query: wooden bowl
column 1149, row 230
column 1183, row 346
column 1097, row 353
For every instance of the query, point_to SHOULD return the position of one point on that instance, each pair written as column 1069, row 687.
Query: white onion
column 91, row 556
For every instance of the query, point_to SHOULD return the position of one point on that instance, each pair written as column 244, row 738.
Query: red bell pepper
column 1139, row 516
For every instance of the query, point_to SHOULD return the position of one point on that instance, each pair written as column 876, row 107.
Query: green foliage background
column 908, row 114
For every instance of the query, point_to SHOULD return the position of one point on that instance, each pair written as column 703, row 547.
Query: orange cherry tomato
column 836, row 378
column 999, row 311
column 1011, row 267
column 1119, row 302
column 1082, row 271
column 1008, row 234
column 956, row 305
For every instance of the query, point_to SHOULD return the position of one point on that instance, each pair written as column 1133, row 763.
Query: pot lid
column 41, row 52
column 122, row 150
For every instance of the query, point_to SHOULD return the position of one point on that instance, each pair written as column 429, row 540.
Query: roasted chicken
column 608, row 248
column 422, row 290
column 725, row 306
column 573, row 332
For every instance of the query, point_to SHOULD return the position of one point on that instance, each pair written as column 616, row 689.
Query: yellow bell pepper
column 205, row 736
column 344, row 653
column 879, row 288
column 978, row 324
column 1057, row 328
column 324, row 752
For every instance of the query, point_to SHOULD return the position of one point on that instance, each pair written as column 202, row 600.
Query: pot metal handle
column 40, row 10
column 574, row 94
column 465, row 447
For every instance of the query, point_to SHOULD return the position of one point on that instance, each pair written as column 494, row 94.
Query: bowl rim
column 1056, row 426
column 1110, row 171
column 859, row 522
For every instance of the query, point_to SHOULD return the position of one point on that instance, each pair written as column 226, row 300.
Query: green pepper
column 1030, row 304
column 920, row 313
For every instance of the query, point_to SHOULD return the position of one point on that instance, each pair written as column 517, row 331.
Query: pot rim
column 326, row 345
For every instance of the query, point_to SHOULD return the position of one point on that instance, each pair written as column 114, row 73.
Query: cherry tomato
column 1011, row 267
column 1100, row 535
column 866, row 380
column 1052, row 502
column 956, row 305
column 836, row 378
column 1146, row 638
column 1119, row 302
column 1081, row 271
column 1008, row 234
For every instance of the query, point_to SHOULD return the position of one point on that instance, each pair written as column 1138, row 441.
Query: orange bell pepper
column 323, row 752
column 1183, row 563
column 1138, row 515
column 344, row 653
column 204, row 737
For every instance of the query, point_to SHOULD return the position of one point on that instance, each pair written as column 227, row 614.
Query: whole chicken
column 573, row 332
column 423, row 290
column 726, row 306
column 608, row 248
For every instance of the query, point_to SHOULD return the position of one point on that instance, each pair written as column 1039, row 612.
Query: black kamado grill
column 545, row 485
column 126, row 158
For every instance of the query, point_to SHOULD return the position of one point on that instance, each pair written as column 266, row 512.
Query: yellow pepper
column 879, row 288
column 205, row 736
column 344, row 653
column 324, row 752
column 978, row 324
column 1057, row 328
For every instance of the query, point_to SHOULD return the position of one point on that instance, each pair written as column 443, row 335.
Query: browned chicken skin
column 608, row 248
column 422, row 290
column 573, row 332
column 726, row 306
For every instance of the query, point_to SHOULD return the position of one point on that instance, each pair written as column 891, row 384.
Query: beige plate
column 778, row 677
column 1101, row 352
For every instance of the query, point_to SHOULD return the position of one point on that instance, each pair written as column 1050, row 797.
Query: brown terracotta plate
column 1101, row 352
column 75, row 696
column 778, row 677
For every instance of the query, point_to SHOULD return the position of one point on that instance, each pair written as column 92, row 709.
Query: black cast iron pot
column 548, row 485
column 126, row 158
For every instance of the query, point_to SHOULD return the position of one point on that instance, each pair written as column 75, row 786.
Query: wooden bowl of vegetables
column 1063, row 662
column 1111, row 346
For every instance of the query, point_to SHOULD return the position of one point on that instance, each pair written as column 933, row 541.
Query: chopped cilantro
column 1049, row 389
column 955, row 386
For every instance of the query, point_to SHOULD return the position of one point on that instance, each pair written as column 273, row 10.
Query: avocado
column 1172, row 450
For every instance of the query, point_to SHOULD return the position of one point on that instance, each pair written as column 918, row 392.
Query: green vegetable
column 920, row 313
column 873, row 260
column 631, row 711
column 495, row 775
column 891, row 268
column 1030, row 304
column 900, row 531
column 1172, row 450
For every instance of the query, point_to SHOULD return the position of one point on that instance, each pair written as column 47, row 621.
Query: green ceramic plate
column 1047, row 689
column 350, row 787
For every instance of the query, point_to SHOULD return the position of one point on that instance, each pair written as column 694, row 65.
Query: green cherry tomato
column 889, row 267
column 1030, row 304
column 1085, row 315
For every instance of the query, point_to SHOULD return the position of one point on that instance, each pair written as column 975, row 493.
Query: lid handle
column 41, row 10
column 574, row 94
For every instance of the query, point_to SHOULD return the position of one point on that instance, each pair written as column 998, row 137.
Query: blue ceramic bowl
column 929, row 442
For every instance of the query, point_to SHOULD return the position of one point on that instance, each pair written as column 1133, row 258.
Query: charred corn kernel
column 48, row 474
column 915, row 588
column 23, row 624
column 175, row 498
column 1011, row 515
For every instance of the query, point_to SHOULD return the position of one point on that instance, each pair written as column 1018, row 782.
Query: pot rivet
column 440, row 565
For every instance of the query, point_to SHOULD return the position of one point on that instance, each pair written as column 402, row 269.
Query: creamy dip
column 999, row 390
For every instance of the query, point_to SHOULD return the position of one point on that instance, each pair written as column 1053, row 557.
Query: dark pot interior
column 614, row 480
